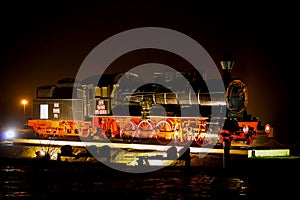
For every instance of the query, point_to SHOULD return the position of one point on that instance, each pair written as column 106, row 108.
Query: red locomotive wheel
column 144, row 131
column 127, row 133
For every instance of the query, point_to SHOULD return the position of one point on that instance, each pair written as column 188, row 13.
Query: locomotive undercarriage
column 161, row 130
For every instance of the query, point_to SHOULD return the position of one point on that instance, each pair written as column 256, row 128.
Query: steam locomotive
column 122, row 106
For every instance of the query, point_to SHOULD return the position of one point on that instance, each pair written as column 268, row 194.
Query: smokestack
column 227, row 62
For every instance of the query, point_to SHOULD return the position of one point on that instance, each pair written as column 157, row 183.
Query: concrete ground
column 236, row 159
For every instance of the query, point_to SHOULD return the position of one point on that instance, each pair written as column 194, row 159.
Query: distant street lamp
column 24, row 102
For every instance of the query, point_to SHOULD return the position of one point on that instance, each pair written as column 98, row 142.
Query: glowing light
column 268, row 152
column 246, row 129
column 267, row 128
column 24, row 102
column 10, row 134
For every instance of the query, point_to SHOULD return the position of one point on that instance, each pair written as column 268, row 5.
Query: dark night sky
column 44, row 42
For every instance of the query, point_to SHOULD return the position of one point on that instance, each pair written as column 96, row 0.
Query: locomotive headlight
column 246, row 129
column 267, row 128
